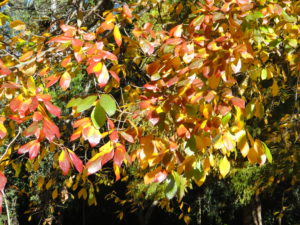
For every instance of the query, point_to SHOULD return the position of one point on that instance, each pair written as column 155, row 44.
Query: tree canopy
column 164, row 92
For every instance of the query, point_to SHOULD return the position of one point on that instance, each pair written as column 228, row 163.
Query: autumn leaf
column 224, row 166
column 65, row 81
column 64, row 162
column 3, row 181
column 117, row 36
column 33, row 147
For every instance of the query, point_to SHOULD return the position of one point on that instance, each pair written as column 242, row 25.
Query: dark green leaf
column 98, row 116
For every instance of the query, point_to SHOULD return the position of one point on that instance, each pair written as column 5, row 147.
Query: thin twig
column 8, row 146
column 33, row 59
column 7, row 208
column 92, row 10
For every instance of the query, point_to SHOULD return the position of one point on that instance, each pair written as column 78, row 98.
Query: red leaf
column 65, row 81
column 65, row 61
column 50, row 130
column 60, row 39
column 33, row 147
column 52, row 80
column 54, row 110
column 64, row 162
column 37, row 116
column 10, row 85
column 3, row 181
column 107, row 55
column 78, row 56
column 32, row 129
column 114, row 136
column 77, row 44
column 110, row 124
column 107, row 157
column 127, row 137
column 43, row 97
column 238, row 102
column 16, row 103
column 76, row 161
column 115, row 75
column 89, row 36
column 174, row 41
column 119, row 155
column 68, row 29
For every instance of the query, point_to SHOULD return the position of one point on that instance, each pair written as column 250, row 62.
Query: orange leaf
column 26, row 56
column 127, row 11
column 158, row 175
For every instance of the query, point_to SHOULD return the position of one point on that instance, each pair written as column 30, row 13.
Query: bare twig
column 32, row 60
column 92, row 10
column 7, row 208
column 8, row 146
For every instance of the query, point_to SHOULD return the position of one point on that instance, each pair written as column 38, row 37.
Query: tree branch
column 8, row 146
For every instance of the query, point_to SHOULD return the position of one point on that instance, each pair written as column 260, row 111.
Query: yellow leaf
column 3, row 2
column 213, row 81
column 18, row 25
column 224, row 166
column 40, row 182
column 117, row 36
column 31, row 85
column 275, row 88
column 54, row 194
column 49, row 184
column 206, row 165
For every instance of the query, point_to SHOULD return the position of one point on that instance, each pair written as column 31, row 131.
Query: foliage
column 177, row 93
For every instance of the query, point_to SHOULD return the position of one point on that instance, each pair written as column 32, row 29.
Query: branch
column 8, row 146
column 32, row 60
column 7, row 209
column 92, row 10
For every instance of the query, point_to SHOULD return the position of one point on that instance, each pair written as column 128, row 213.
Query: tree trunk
column 252, row 213
column 199, row 212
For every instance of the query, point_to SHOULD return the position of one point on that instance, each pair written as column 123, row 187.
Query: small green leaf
column 264, row 74
column 86, row 103
column 226, row 118
column 73, row 102
column 108, row 103
column 268, row 153
column 98, row 116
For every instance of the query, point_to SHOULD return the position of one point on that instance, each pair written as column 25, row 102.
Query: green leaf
column 264, row 74
column 268, row 153
column 86, row 103
column 171, row 187
column 250, row 110
column 254, row 16
column 226, row 118
column 288, row 18
column 98, row 116
column 108, row 103
column 73, row 102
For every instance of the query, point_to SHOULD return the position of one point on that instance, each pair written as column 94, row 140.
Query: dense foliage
column 161, row 95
